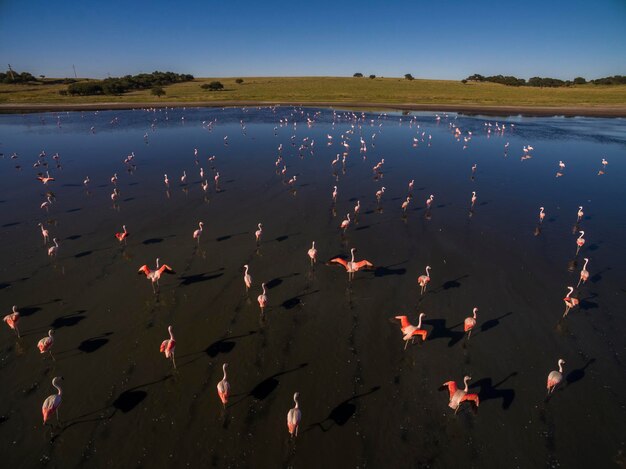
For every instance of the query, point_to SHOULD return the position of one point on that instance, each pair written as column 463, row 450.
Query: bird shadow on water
column 491, row 323
column 579, row 373
column 454, row 283
column 382, row 271
column 440, row 331
column 489, row 391
column 68, row 320
column 191, row 279
column 341, row 413
column 220, row 347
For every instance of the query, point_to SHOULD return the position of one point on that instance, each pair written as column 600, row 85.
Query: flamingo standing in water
column 570, row 302
column 114, row 179
column 357, row 207
column 45, row 179
column 53, row 401
column 334, row 194
column 312, row 254
column 45, row 344
column 580, row 242
column 410, row 331
column 223, row 387
column 473, row 198
column 379, row 194
column 345, row 224
column 262, row 299
column 166, row 181
column 115, row 194
column 429, row 201
column 411, row 184
column 469, row 323
column 258, row 233
column 424, row 279
column 12, row 319
column 294, row 416
column 457, row 396
column 123, row 235
column 580, row 213
column 168, row 346
column 44, row 233
column 155, row 275
column 542, row 215
column 247, row 279
column 555, row 377
column 47, row 203
column 53, row 250
column 183, row 178
column 352, row 266
column 584, row 273
column 405, row 204
column 198, row 232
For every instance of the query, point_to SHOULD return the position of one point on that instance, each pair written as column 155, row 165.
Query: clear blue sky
column 431, row 39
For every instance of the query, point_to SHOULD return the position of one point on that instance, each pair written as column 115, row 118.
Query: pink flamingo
column 168, row 346
column 411, row 184
column 458, row 396
column 584, row 273
column 47, row 203
column 473, row 198
column 405, row 204
column 123, row 235
column 12, row 319
column 379, row 194
column 541, row 214
column 115, row 194
column 580, row 213
column 424, row 279
column 294, row 416
column 555, row 377
column 262, row 299
column 53, row 250
column 155, row 275
column 334, row 193
column 410, row 331
column 357, row 207
column 345, row 224
column 570, row 302
column 53, row 401
column 312, row 254
column 258, row 233
column 166, row 180
column 580, row 241
column 183, row 178
column 44, row 233
column 198, row 232
column 45, row 344
column 469, row 323
column 45, row 179
column 247, row 279
column 429, row 201
column 223, row 387
column 352, row 266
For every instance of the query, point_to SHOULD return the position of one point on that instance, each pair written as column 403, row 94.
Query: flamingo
column 411, row 183
column 45, row 179
column 429, row 201
column 405, row 204
column 570, row 302
column 123, row 235
column 352, row 266
column 345, row 224
column 183, row 178
column 294, row 416
column 334, row 193
column 168, row 346
column 201, row 173
column 580, row 213
column 258, row 233
column 53, row 401
column 12, row 319
column 53, row 250
column 604, row 162
column 580, row 241
column 198, row 232
column 457, row 396
column 424, row 279
column 469, row 323
column 205, row 185
column 473, row 198
column 115, row 194
column 541, row 214
column 114, row 179
column 247, row 279
column 216, row 178
column 223, row 387
column 262, row 299
column 584, row 273
column 555, row 377
column 47, row 203
column 409, row 330
column 357, row 207
column 379, row 193
column 561, row 164
column 474, row 168
column 44, row 233
column 312, row 254
column 86, row 181
column 155, row 275
column 166, row 180
column 45, row 344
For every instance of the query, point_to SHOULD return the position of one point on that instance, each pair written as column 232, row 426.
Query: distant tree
column 464, row 81
column 475, row 77
column 239, row 81
column 408, row 76
column 579, row 81
column 85, row 88
column 372, row 76
column 42, row 77
column 213, row 86
column 157, row 91
column 358, row 75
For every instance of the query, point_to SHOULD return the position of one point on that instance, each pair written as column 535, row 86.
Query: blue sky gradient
column 446, row 39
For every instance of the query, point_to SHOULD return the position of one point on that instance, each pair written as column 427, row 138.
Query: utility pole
column 11, row 72
column 74, row 71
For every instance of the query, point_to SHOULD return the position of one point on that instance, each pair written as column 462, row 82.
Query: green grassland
column 338, row 90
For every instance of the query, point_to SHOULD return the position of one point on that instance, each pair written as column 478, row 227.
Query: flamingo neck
column 585, row 266
column 171, row 333
column 466, row 386
column 560, row 367
column 419, row 322
column 263, row 286
column 582, row 233
column 58, row 387
column 224, row 368
column 571, row 290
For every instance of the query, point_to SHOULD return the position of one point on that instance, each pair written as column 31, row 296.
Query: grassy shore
column 345, row 91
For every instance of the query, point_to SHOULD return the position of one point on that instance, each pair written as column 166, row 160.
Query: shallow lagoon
column 365, row 400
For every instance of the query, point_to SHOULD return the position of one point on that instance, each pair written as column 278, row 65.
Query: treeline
column 15, row 77
column 545, row 82
column 126, row 83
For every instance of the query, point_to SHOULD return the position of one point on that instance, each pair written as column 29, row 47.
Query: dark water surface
column 366, row 402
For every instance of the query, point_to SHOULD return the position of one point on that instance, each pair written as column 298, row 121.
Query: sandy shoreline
column 568, row 111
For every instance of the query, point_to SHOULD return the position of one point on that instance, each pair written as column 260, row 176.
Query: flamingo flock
column 409, row 331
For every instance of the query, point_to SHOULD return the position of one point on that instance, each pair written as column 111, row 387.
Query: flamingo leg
column 297, row 430
column 57, row 412
column 406, row 343
column 469, row 334
column 50, row 352
column 173, row 360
